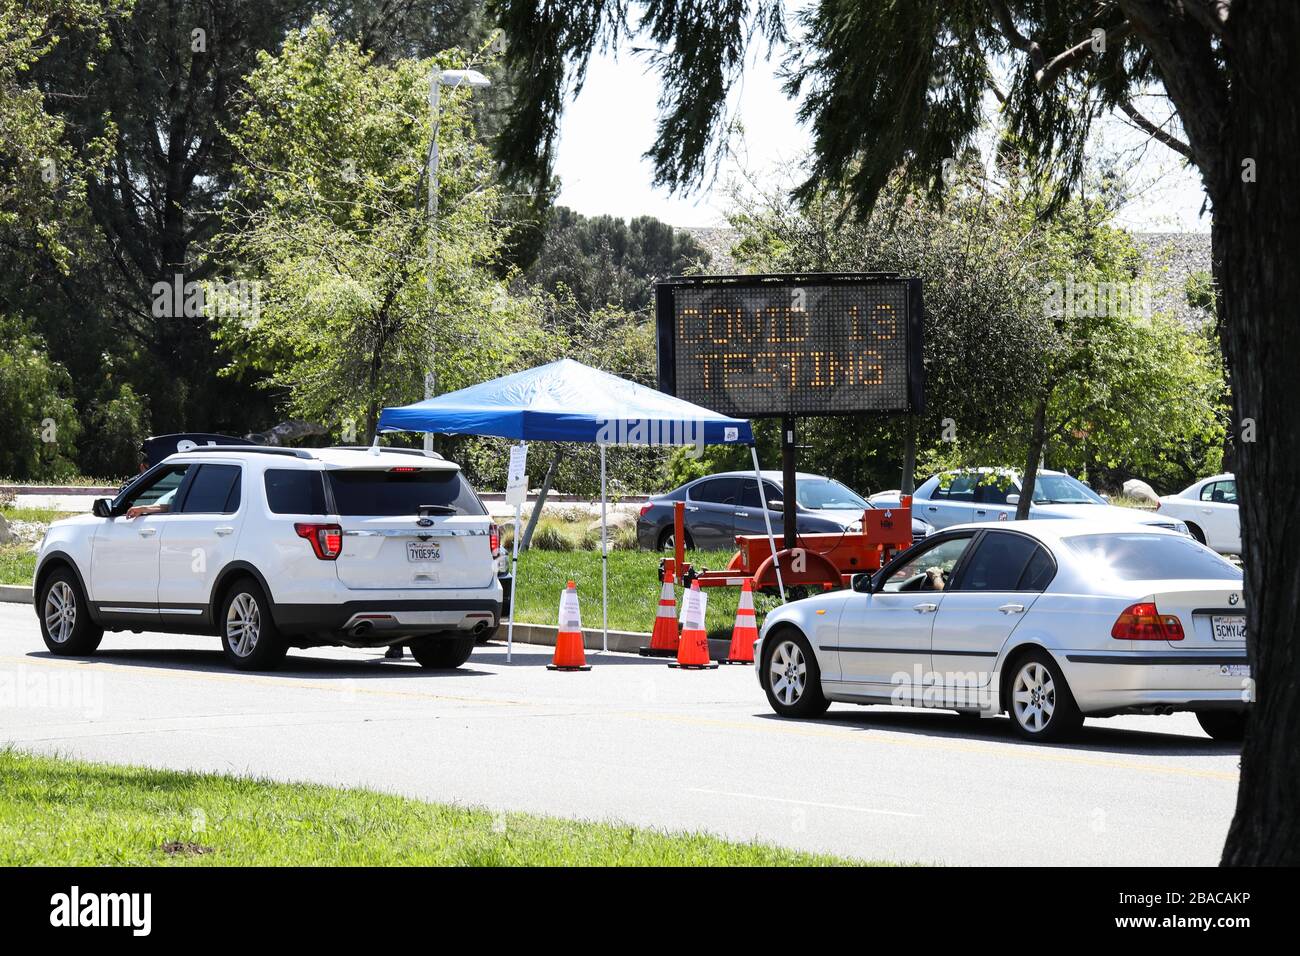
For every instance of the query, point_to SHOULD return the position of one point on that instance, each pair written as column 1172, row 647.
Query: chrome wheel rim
column 1033, row 697
column 60, row 612
column 243, row 625
column 788, row 672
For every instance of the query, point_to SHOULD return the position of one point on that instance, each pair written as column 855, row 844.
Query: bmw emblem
column 425, row 522
column 1234, row 598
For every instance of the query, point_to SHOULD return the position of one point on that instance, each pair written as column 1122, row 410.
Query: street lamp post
column 474, row 80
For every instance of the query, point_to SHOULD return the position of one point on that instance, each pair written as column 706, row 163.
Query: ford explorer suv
column 272, row 548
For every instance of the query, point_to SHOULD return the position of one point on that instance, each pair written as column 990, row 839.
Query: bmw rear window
column 1135, row 556
column 398, row 492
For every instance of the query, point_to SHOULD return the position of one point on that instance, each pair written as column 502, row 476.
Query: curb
column 16, row 593
column 620, row 642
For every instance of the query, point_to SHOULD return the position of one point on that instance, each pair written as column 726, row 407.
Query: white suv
column 279, row 547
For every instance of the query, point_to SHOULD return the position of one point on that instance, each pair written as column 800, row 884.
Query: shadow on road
column 1095, row 735
column 297, row 664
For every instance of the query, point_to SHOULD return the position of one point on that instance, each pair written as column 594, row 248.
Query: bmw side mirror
column 102, row 508
column 862, row 582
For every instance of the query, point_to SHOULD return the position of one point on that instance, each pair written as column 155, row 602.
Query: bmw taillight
column 326, row 540
column 1144, row 622
column 494, row 540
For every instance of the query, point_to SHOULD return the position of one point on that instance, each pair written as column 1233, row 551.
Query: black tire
column 666, row 540
column 1063, row 719
column 1226, row 725
column 246, row 611
column 1196, row 532
column 442, row 653
column 66, row 625
column 792, row 699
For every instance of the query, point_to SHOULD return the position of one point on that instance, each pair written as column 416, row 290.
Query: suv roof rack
column 384, row 448
column 255, row 449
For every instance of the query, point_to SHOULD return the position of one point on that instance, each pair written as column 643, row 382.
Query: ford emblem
column 425, row 522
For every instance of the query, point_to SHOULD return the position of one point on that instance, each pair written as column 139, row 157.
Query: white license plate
column 422, row 552
column 1228, row 627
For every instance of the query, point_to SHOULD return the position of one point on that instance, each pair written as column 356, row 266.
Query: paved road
column 632, row 740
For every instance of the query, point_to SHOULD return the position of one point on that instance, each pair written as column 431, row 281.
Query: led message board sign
column 820, row 344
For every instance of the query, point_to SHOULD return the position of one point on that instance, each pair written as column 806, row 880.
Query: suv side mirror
column 776, row 504
column 862, row 582
column 1013, row 499
column 102, row 508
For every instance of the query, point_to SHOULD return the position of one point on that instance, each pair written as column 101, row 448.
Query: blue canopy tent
column 569, row 401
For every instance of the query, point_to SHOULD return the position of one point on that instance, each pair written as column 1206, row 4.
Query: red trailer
column 825, row 560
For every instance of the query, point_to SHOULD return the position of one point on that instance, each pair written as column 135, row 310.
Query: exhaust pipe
column 360, row 629
column 480, row 627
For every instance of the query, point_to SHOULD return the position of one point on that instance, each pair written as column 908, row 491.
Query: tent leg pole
column 767, row 520
column 604, row 560
column 514, row 584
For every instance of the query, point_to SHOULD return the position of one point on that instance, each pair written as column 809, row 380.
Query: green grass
column 45, row 515
column 633, row 588
column 63, row 813
column 17, row 563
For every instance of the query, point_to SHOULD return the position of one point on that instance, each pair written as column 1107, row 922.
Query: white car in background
column 1049, row 621
column 1209, row 508
column 992, row 494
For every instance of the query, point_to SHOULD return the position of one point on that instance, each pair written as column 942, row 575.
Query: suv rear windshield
column 1151, row 557
column 391, row 493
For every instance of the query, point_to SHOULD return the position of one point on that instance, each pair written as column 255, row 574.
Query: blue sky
column 606, row 129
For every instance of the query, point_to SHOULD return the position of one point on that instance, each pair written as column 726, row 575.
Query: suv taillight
column 325, row 539
column 645, row 507
column 1143, row 622
column 494, row 540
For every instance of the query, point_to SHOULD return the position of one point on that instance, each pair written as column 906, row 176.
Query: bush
column 114, row 432
column 38, row 425
column 551, row 536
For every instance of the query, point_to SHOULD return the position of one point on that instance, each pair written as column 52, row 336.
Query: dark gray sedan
column 720, row 507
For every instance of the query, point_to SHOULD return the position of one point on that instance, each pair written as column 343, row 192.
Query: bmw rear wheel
column 791, row 677
column 1039, row 700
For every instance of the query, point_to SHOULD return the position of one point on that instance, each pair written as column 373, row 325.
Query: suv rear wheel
column 65, row 619
column 442, row 653
column 248, row 632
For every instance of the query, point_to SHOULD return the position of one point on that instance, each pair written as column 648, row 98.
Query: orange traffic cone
column 745, row 633
column 663, row 640
column 569, row 652
column 693, row 648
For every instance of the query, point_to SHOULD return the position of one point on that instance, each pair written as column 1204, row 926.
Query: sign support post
column 516, row 493
column 790, row 513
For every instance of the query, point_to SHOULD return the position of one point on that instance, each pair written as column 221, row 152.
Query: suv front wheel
column 248, row 632
column 65, row 619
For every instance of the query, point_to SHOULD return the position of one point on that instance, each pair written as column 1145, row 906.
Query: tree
column 606, row 261
column 333, row 225
column 900, row 85
column 38, row 427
